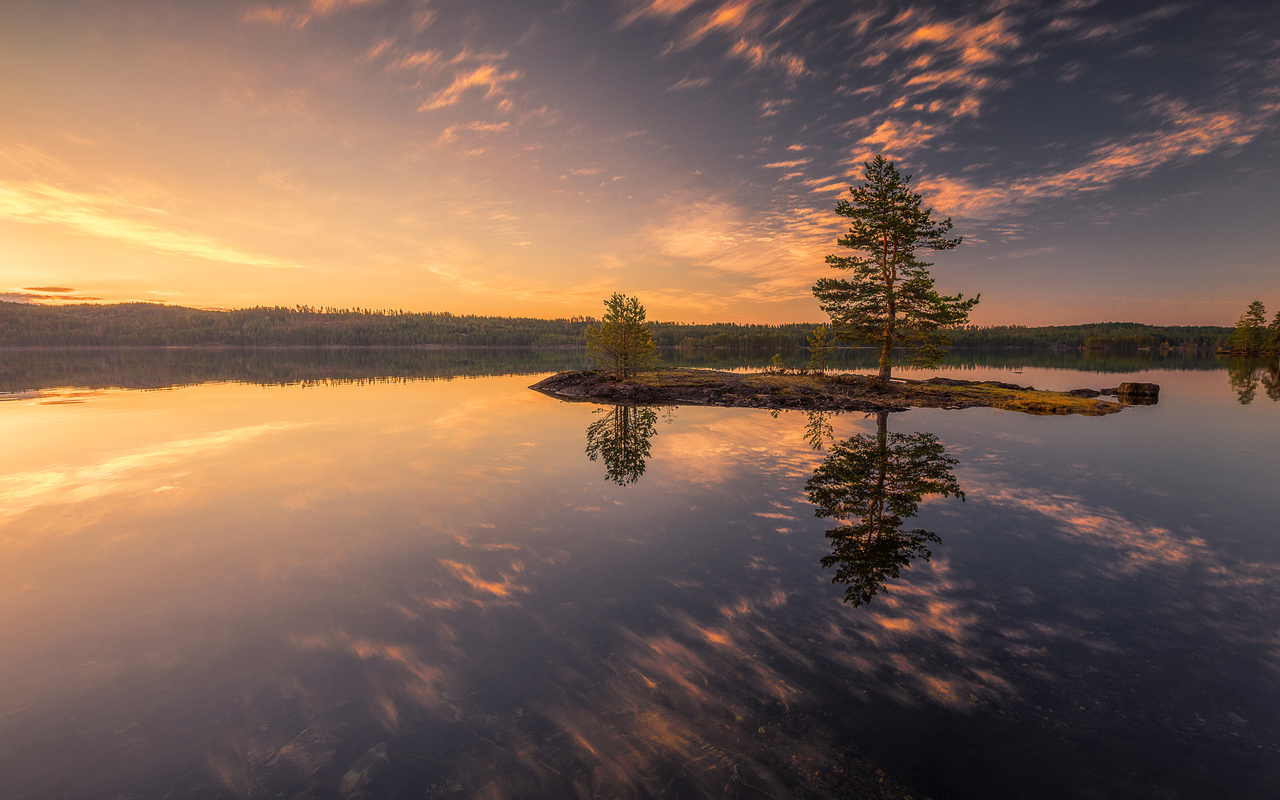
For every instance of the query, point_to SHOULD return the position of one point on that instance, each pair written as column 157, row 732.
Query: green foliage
column 1094, row 336
column 621, row 342
column 1244, row 375
column 152, row 324
column 1251, row 333
column 621, row 439
column 873, row 484
column 890, row 301
column 820, row 347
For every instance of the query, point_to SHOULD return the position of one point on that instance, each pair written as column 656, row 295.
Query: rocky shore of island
column 815, row 391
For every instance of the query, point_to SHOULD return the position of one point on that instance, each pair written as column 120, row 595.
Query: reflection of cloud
column 1139, row 547
column 53, row 486
column 506, row 585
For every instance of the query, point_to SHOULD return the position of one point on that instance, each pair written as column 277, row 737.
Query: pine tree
column 890, row 301
column 622, row 342
column 1251, row 329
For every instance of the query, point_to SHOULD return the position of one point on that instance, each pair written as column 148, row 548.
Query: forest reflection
column 621, row 440
column 873, row 483
column 1246, row 374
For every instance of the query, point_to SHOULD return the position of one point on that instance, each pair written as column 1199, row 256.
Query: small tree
column 621, row 342
column 1251, row 329
column 1273, row 334
column 890, row 301
column 820, row 347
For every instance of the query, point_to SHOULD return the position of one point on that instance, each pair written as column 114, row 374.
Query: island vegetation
column 890, row 300
column 1252, row 335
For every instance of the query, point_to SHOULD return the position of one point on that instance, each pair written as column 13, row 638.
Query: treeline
column 150, row 324
column 1100, row 335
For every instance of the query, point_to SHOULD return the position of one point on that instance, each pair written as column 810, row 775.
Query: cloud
column 756, row 256
column 418, row 60
column 109, row 217
column 451, row 133
column 41, row 298
column 894, row 139
column 744, row 27
column 299, row 15
column 488, row 77
column 1181, row 134
column 685, row 84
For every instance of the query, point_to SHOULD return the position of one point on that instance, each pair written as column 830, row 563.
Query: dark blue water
column 398, row 587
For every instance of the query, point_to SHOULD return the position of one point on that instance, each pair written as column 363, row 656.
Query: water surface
column 377, row 581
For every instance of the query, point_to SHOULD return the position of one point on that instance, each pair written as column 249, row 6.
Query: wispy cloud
column 746, row 29
column 299, row 15
column 488, row 77
column 685, row 84
column 1180, row 133
column 113, row 218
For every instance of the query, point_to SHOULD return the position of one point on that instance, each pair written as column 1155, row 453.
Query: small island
column 807, row 390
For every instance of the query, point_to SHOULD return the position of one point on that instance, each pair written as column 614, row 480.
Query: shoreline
column 810, row 391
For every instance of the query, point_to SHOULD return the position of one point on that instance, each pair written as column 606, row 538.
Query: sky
column 1104, row 161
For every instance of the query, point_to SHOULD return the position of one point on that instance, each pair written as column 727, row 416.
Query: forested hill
column 150, row 324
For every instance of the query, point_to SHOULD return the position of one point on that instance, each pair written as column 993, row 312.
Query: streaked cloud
column 488, row 77
column 113, row 218
column 299, row 15
column 1181, row 133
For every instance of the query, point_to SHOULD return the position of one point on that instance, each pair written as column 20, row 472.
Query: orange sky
column 529, row 158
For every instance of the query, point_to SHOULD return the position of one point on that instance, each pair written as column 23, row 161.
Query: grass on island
column 1027, row 401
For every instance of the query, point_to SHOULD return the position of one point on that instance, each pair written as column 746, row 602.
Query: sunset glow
column 529, row 158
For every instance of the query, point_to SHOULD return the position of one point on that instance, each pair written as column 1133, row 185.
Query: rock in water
column 1139, row 394
column 368, row 768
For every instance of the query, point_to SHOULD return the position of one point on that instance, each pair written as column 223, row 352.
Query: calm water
column 271, row 581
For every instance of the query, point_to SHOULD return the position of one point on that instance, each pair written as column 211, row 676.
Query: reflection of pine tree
column 818, row 429
column 621, row 438
column 874, row 483
column 1242, row 375
column 1271, row 380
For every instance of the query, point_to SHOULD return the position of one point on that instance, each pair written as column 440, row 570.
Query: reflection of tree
column 621, row 437
column 874, row 483
column 1240, row 374
column 818, row 429
column 1244, row 375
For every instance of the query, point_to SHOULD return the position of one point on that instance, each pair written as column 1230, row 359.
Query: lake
column 235, row 574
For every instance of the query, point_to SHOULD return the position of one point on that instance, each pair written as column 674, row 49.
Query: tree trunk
column 886, row 361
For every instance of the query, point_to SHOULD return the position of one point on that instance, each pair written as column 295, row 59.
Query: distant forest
column 150, row 324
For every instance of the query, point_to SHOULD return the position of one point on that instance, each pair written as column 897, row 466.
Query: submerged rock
column 1139, row 394
column 366, row 769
